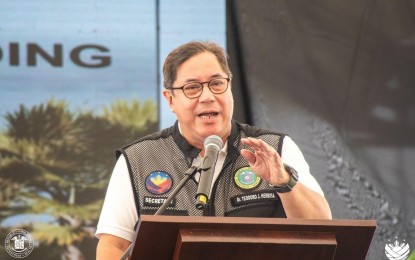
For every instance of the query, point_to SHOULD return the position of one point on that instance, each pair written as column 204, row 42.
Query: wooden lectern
column 171, row 237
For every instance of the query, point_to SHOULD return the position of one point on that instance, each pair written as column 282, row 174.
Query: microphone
column 213, row 145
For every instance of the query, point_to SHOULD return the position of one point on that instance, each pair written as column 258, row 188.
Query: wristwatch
column 290, row 185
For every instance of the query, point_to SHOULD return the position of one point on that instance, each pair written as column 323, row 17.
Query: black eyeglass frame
column 201, row 83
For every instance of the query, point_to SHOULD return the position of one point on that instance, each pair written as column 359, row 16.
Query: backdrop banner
column 78, row 79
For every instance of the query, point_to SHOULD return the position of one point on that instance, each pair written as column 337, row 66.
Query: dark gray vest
column 158, row 162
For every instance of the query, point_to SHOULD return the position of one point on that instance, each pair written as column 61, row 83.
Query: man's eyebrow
column 217, row 75
column 190, row 80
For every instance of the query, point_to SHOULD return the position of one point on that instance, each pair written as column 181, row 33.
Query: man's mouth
column 208, row 115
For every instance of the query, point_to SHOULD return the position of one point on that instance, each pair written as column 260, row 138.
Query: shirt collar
column 189, row 150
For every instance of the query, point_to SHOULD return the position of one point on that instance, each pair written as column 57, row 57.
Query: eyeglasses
column 195, row 89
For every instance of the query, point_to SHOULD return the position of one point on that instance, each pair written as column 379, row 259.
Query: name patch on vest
column 157, row 201
column 254, row 197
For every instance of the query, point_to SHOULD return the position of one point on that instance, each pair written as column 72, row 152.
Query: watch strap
column 291, row 183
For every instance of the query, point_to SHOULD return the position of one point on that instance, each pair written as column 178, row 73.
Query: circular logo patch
column 159, row 182
column 246, row 179
column 19, row 243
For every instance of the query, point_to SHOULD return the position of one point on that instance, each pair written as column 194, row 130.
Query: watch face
column 293, row 180
column 291, row 171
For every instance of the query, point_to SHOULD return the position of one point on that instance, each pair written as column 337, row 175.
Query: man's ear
column 169, row 98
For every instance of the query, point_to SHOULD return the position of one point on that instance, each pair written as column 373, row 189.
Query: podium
column 173, row 237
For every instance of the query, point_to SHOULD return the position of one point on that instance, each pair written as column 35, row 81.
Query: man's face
column 209, row 114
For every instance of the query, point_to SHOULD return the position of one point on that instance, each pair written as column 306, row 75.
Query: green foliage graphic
column 56, row 163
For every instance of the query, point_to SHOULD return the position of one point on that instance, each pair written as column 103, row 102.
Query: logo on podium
column 397, row 250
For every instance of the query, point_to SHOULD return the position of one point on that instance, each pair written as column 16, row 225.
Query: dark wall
column 339, row 77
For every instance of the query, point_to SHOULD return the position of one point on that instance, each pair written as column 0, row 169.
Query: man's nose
column 206, row 95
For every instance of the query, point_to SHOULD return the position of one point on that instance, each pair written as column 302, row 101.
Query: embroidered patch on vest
column 157, row 201
column 254, row 197
column 246, row 179
column 159, row 182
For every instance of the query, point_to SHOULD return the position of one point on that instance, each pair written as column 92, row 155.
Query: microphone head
column 213, row 140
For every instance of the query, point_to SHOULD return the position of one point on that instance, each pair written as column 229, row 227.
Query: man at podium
column 258, row 172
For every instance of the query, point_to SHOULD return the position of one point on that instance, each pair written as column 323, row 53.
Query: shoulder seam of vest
column 257, row 132
column 165, row 133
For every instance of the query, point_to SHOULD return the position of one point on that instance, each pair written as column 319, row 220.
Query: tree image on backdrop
column 55, row 165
